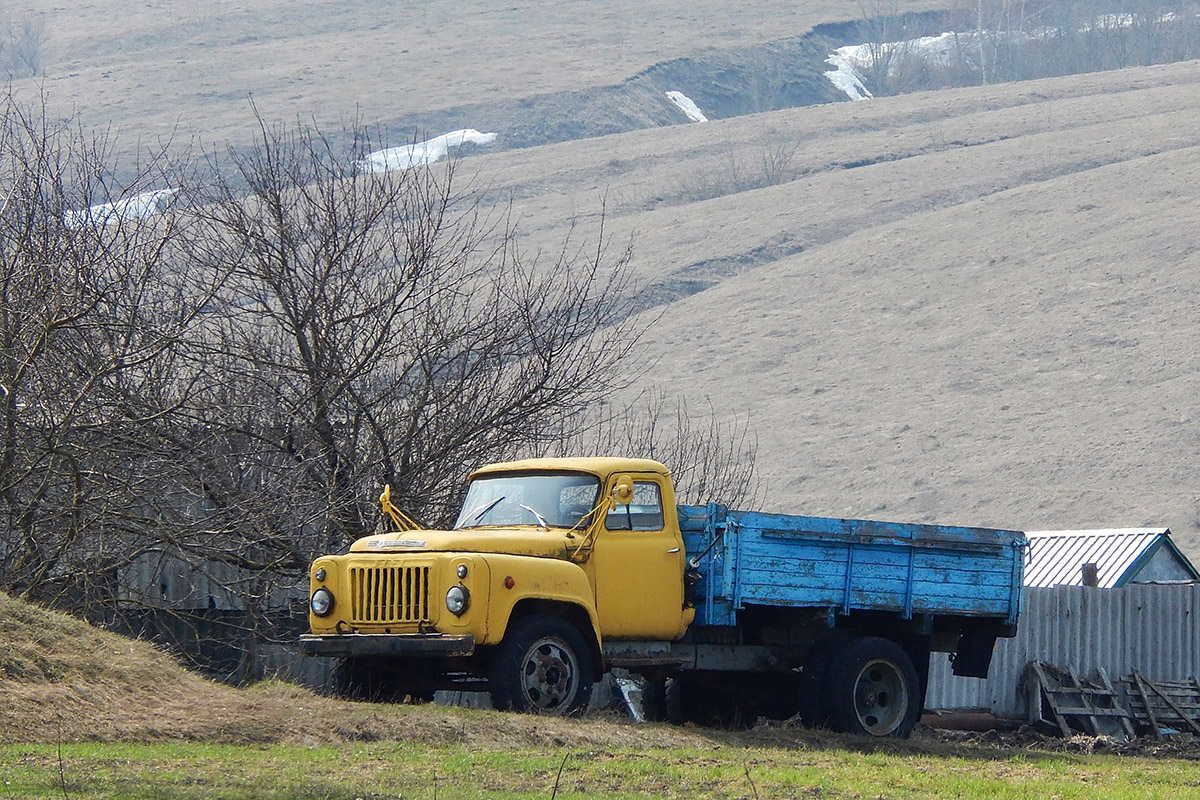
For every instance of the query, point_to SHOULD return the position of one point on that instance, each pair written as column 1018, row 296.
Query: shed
column 1120, row 556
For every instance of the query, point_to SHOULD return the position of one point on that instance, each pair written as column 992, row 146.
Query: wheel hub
column 880, row 697
column 549, row 674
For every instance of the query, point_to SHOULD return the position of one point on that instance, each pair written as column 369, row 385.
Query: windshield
column 558, row 500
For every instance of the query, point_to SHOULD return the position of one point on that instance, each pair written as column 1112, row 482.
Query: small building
column 1152, row 623
column 1107, row 559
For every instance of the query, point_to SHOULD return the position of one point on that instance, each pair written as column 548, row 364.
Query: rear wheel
column 543, row 666
column 872, row 689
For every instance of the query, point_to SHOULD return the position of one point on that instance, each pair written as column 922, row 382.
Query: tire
column 871, row 689
column 543, row 666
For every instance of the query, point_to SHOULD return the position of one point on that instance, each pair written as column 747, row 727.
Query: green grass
column 398, row 770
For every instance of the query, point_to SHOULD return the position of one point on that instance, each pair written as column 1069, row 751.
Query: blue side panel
column 749, row 558
column 703, row 529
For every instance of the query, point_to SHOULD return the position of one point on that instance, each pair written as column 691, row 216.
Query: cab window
column 644, row 512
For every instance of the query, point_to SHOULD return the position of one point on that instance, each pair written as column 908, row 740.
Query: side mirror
column 623, row 490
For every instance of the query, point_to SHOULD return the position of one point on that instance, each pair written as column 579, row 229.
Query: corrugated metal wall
column 1151, row 628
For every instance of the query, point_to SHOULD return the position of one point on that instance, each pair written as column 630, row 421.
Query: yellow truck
column 557, row 570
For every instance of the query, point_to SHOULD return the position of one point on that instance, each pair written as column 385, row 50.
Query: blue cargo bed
column 842, row 566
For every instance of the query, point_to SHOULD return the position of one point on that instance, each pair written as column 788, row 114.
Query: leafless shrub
column 369, row 329
column 1007, row 40
column 769, row 162
column 22, row 44
column 223, row 389
column 710, row 460
column 88, row 316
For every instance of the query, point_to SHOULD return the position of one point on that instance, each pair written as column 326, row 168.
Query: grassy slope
column 991, row 322
column 179, row 66
column 93, row 715
column 62, row 680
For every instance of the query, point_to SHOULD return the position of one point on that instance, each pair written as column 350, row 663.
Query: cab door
column 638, row 568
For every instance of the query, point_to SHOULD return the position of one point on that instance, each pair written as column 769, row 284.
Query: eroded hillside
column 970, row 306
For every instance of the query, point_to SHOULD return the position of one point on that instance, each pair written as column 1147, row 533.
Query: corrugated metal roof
column 1056, row 558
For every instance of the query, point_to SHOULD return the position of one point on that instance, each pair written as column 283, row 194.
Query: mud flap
column 973, row 657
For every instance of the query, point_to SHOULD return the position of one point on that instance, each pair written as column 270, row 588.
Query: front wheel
column 872, row 689
column 543, row 666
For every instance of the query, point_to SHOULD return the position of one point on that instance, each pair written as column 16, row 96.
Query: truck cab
column 548, row 560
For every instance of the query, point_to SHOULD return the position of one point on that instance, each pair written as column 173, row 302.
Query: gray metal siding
column 1145, row 627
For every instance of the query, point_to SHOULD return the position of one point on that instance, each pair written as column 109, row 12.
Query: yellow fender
column 519, row 578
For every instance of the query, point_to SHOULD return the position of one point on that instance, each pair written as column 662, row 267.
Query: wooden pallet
column 1171, row 705
column 1076, row 705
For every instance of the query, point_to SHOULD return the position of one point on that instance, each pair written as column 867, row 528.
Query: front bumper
column 415, row 645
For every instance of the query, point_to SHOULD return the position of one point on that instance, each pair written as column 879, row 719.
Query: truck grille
column 389, row 594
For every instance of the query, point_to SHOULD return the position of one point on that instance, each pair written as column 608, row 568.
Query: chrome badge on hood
column 397, row 543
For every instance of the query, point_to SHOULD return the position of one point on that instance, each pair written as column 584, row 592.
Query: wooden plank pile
column 1061, row 701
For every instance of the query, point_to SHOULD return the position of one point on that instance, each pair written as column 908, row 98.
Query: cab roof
column 602, row 466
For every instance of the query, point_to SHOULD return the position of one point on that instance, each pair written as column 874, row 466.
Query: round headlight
column 321, row 602
column 457, row 600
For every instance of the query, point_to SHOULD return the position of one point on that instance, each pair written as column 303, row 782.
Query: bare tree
column 710, row 460
column 88, row 313
column 371, row 329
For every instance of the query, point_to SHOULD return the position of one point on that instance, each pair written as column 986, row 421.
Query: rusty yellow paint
column 629, row 584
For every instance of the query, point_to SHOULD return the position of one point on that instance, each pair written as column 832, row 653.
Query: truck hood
column 523, row 541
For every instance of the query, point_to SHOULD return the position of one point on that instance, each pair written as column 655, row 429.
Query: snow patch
column 421, row 153
column 140, row 206
column 844, row 74
column 851, row 61
column 945, row 49
column 686, row 105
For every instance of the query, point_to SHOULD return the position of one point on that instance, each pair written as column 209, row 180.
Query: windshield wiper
column 475, row 516
column 541, row 520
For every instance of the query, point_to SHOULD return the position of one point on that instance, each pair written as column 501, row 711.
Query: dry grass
column 969, row 307
column 62, row 680
column 121, row 707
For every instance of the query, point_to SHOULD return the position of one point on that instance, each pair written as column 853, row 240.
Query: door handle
column 673, row 550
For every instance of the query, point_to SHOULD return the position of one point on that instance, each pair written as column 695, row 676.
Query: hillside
column 183, row 69
column 970, row 306
column 62, row 680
